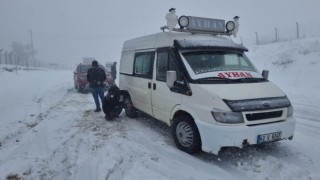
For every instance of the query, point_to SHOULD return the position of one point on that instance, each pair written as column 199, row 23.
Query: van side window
column 165, row 62
column 173, row 66
column 143, row 64
column 162, row 63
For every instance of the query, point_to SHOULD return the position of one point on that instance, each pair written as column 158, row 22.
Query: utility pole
column 257, row 39
column 32, row 45
column 1, row 55
column 297, row 30
column 276, row 30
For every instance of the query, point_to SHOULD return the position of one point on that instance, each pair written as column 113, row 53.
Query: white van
column 204, row 87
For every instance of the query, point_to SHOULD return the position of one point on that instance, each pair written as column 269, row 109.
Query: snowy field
column 49, row 131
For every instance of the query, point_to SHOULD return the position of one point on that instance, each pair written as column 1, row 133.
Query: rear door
column 143, row 73
column 163, row 99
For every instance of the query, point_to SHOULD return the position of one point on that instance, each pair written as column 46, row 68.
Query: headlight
column 227, row 117
column 290, row 111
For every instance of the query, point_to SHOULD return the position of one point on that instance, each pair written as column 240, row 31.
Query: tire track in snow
column 15, row 136
column 54, row 113
column 92, row 131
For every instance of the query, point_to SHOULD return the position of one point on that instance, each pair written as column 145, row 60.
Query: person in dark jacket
column 114, row 71
column 96, row 76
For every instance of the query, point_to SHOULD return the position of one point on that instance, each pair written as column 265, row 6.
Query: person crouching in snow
column 96, row 76
column 111, row 105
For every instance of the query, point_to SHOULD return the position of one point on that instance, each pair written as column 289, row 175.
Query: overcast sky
column 64, row 31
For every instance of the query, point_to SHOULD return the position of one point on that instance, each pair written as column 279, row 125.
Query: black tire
column 130, row 110
column 186, row 134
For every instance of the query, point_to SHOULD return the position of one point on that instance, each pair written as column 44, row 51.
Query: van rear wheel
column 186, row 134
column 130, row 110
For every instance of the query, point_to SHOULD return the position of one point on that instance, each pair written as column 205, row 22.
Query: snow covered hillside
column 49, row 131
column 293, row 65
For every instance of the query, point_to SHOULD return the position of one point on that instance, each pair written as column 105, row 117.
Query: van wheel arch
column 185, row 132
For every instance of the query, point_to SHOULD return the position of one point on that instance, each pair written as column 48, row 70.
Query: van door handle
column 154, row 86
column 149, row 85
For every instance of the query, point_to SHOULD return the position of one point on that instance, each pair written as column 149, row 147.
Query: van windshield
column 219, row 64
column 210, row 61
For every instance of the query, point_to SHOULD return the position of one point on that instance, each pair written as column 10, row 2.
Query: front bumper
column 216, row 136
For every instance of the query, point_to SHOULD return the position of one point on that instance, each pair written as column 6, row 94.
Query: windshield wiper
column 248, row 80
column 212, row 78
column 232, row 80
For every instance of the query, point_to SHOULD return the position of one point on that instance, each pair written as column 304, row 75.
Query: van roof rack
column 200, row 25
column 163, row 28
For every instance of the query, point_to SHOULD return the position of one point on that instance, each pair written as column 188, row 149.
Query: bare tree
column 23, row 52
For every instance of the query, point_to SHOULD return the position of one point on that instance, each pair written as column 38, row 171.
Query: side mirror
column 74, row 72
column 265, row 74
column 171, row 78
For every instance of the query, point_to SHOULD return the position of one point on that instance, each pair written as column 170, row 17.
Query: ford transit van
column 203, row 85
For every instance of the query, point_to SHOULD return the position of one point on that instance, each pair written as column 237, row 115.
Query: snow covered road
column 65, row 139
column 70, row 141
column 49, row 131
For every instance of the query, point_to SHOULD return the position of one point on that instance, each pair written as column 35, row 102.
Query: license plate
column 264, row 138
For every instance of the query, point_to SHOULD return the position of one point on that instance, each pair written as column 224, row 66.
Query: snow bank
column 294, row 66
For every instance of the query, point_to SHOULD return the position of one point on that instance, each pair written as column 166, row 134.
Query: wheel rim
column 184, row 134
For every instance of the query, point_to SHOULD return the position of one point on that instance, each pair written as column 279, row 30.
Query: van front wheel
column 186, row 135
column 131, row 111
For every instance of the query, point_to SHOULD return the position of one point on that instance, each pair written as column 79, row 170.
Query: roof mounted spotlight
column 183, row 21
column 230, row 26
